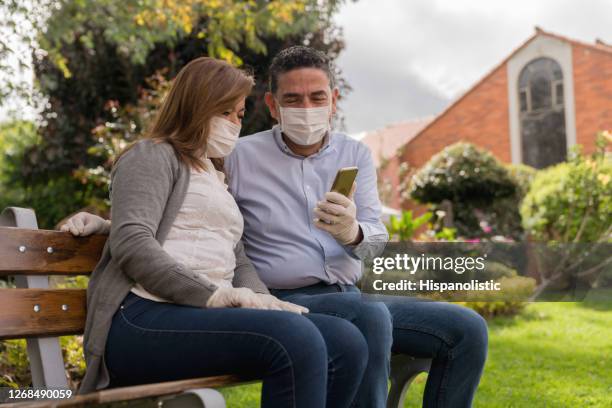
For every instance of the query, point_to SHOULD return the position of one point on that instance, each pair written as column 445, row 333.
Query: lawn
column 551, row 355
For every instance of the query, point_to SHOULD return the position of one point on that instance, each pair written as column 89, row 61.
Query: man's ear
column 271, row 103
column 335, row 96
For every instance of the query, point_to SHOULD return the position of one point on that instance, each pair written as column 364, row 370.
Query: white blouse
column 205, row 231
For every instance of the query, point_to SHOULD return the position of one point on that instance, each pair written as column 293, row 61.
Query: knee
column 352, row 346
column 475, row 336
column 377, row 325
column 301, row 340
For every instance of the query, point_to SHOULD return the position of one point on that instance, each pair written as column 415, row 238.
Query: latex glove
column 338, row 216
column 277, row 304
column 236, row 297
column 84, row 224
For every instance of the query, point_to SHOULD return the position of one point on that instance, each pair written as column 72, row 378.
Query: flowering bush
column 572, row 201
column 478, row 193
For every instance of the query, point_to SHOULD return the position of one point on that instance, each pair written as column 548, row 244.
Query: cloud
column 407, row 59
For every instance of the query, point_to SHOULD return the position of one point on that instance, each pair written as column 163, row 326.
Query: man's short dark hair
column 296, row 57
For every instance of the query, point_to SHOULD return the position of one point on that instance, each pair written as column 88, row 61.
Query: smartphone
column 344, row 180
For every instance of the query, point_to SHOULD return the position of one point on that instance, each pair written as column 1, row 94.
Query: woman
column 174, row 296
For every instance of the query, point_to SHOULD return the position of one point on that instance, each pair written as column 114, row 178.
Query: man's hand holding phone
column 338, row 214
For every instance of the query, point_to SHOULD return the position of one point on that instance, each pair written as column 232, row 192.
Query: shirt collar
column 328, row 146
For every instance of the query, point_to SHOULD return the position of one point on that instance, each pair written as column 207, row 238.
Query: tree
column 95, row 59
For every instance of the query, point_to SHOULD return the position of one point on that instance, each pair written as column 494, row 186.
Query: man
column 306, row 243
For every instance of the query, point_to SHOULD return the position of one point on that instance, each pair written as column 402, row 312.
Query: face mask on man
column 305, row 126
column 222, row 137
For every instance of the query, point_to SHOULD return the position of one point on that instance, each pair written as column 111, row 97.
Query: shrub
column 572, row 201
column 404, row 227
column 483, row 193
column 522, row 175
column 54, row 198
column 14, row 364
column 516, row 292
column 15, row 367
column 461, row 172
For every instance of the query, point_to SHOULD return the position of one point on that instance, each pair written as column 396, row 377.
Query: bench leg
column 198, row 398
column 403, row 370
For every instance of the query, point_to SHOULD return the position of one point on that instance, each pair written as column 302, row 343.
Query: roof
column 384, row 142
column 599, row 46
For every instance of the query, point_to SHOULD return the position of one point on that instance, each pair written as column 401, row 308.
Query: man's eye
column 227, row 113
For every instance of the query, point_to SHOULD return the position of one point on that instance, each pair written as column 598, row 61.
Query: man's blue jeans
column 454, row 337
column 306, row 361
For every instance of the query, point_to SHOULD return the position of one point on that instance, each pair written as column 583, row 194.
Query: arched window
column 542, row 113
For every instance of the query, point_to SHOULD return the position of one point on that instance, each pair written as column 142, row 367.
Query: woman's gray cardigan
column 148, row 187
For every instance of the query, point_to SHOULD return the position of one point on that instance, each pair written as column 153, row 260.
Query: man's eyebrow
column 292, row 95
column 319, row 93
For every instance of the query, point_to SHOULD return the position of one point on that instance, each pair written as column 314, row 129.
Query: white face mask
column 222, row 137
column 304, row 126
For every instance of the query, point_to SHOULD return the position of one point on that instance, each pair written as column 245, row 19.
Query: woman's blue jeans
column 304, row 360
column 454, row 337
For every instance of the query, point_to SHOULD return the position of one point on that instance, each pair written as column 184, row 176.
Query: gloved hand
column 246, row 298
column 277, row 304
column 84, row 224
column 235, row 297
column 338, row 216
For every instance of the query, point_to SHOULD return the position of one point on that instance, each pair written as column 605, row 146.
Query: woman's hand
column 246, row 298
column 84, row 224
column 234, row 297
column 278, row 304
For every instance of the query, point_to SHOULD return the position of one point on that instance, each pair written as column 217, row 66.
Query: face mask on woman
column 305, row 126
column 222, row 137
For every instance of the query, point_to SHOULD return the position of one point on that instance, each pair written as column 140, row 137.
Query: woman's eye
column 227, row 113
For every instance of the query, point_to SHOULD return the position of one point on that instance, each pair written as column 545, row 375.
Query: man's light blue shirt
column 277, row 191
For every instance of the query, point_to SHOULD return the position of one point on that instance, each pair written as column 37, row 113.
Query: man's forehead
column 303, row 80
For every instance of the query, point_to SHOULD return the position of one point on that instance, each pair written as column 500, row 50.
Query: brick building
column 548, row 95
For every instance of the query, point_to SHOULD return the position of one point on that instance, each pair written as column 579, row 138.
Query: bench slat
column 42, row 252
column 139, row 391
column 18, row 318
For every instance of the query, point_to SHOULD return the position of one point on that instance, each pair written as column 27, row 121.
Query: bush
column 504, row 213
column 462, row 172
column 54, row 198
column 516, row 292
column 522, row 175
column 572, row 201
column 15, row 367
column 405, row 227
column 484, row 194
column 14, row 364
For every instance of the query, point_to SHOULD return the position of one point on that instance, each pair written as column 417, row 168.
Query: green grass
column 551, row 355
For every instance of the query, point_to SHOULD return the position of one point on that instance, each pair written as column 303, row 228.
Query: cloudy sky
column 408, row 58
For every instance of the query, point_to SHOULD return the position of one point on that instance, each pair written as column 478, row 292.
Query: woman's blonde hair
column 204, row 88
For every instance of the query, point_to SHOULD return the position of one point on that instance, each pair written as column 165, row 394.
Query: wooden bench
column 39, row 314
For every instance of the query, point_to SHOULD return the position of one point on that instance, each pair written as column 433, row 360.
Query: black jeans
column 311, row 360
